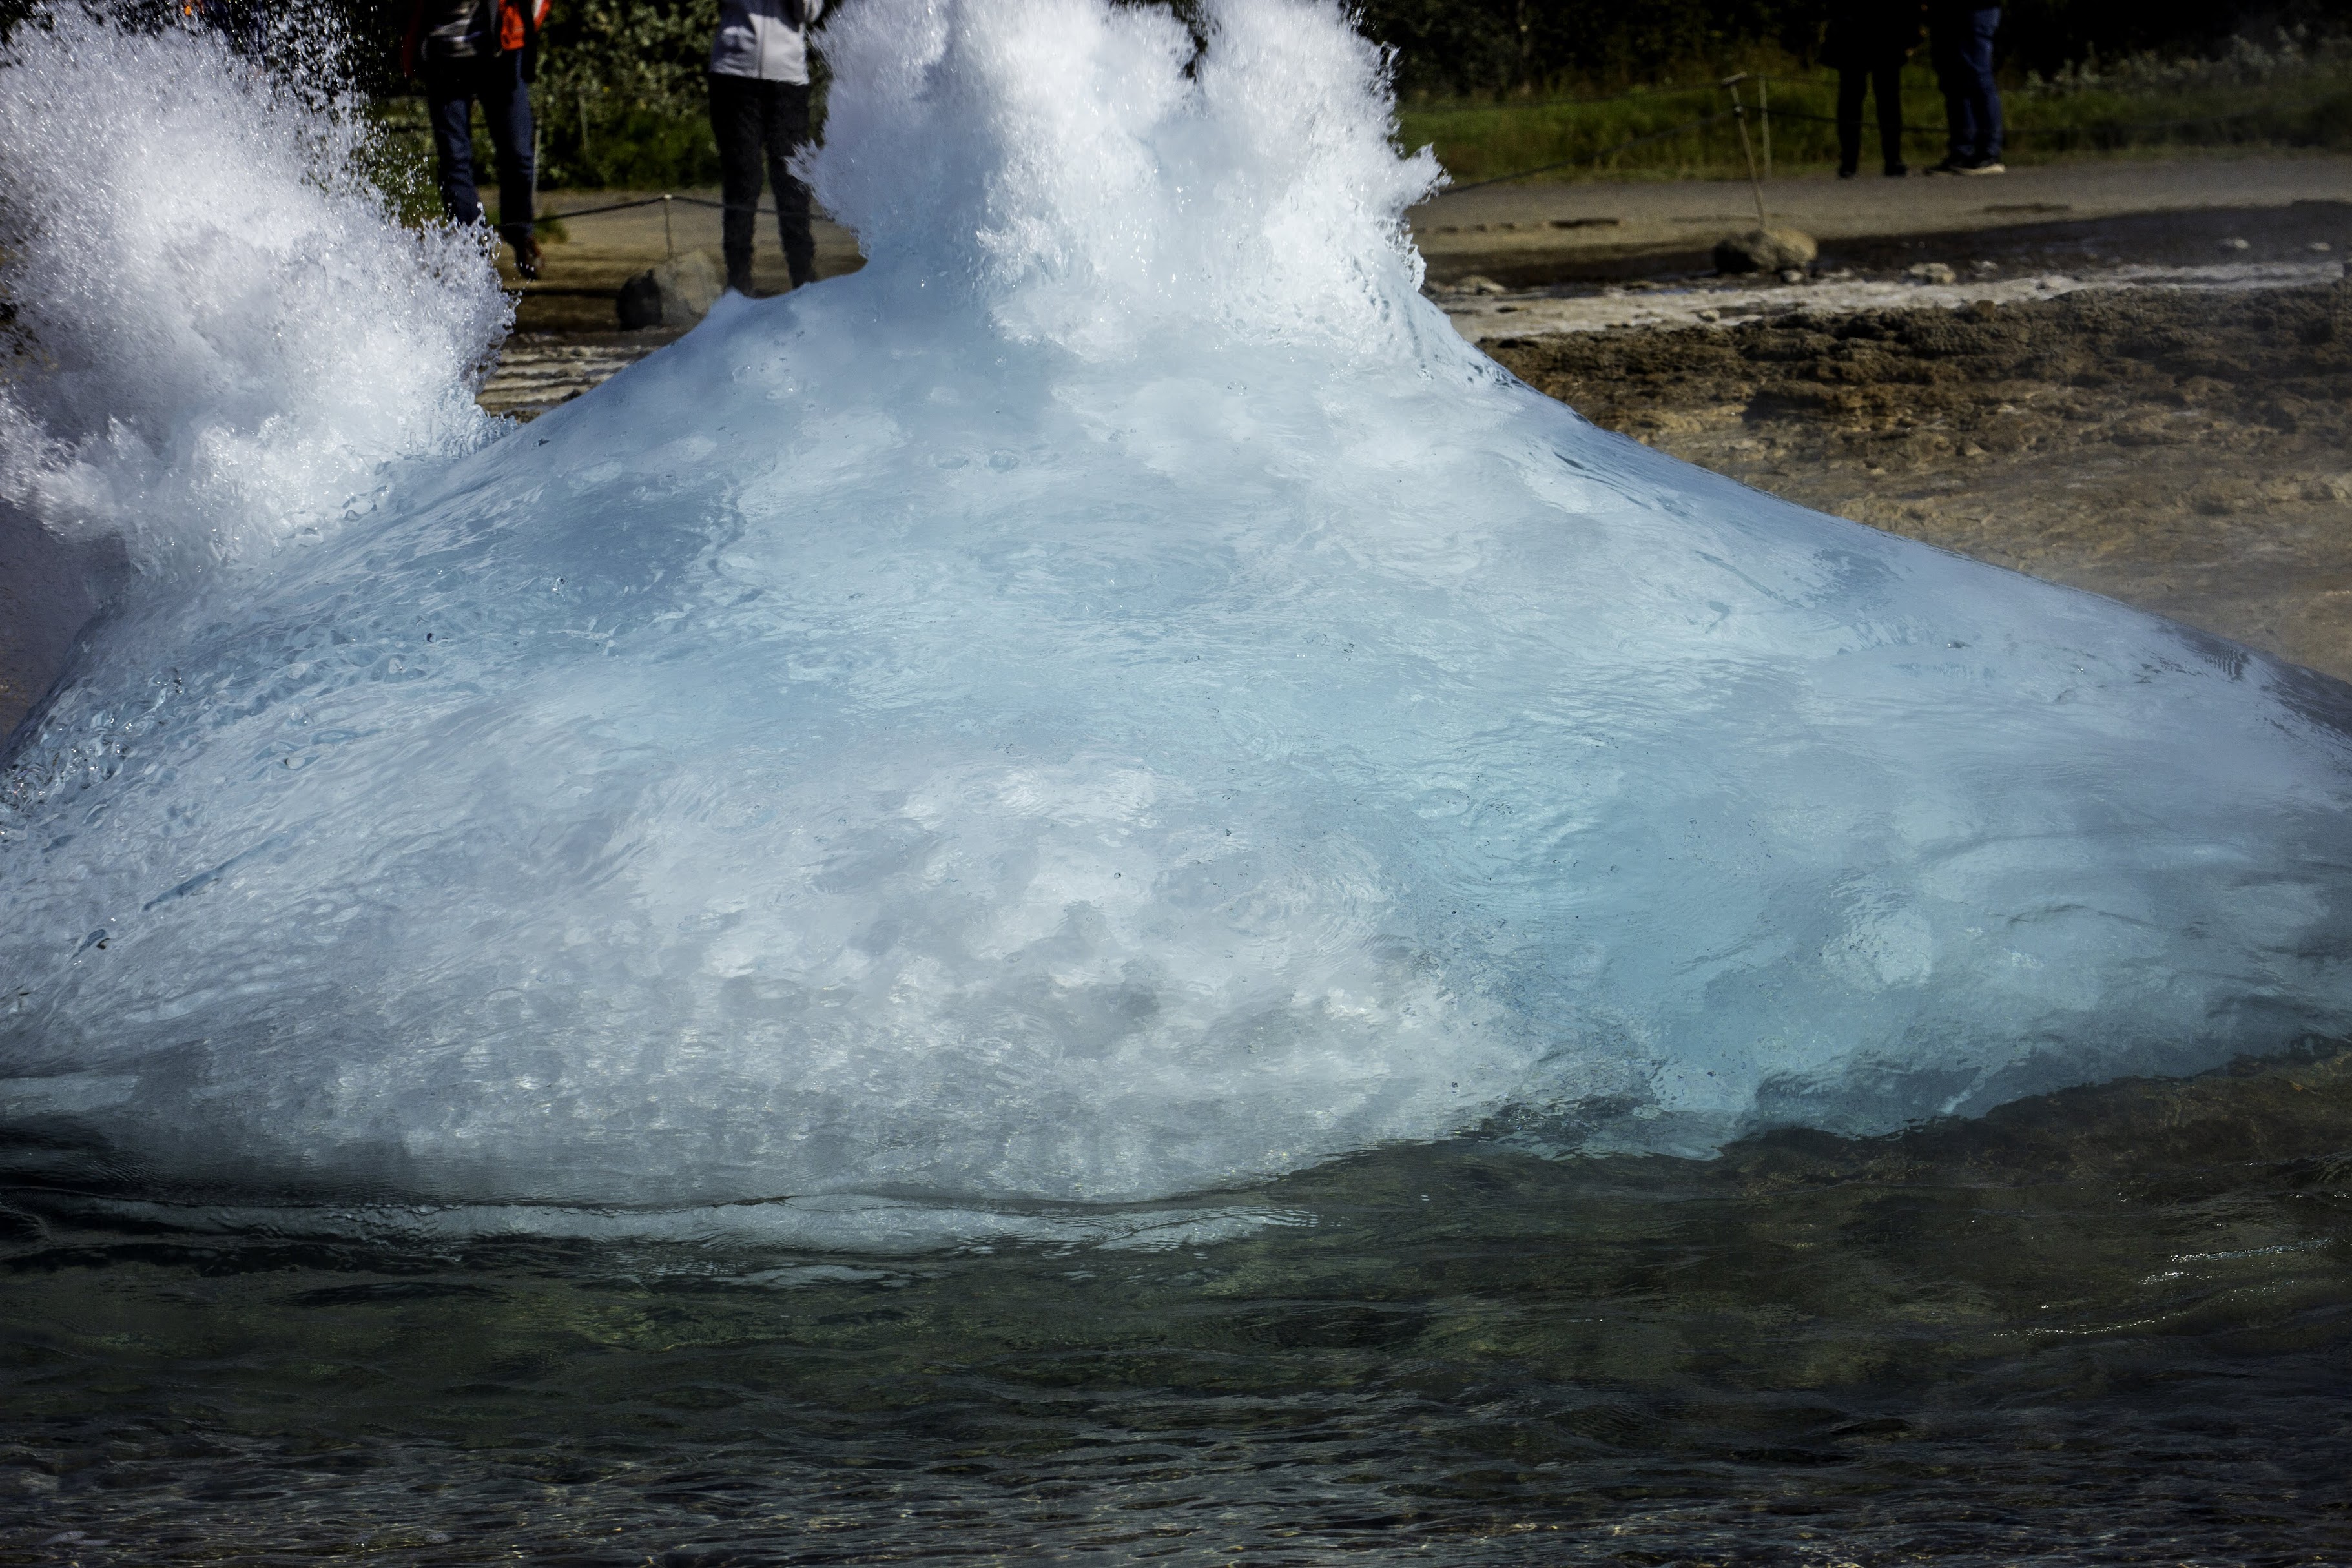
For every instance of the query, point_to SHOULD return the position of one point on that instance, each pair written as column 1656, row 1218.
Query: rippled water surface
column 2110, row 1326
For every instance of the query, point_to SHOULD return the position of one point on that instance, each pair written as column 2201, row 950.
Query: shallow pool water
column 2110, row 1326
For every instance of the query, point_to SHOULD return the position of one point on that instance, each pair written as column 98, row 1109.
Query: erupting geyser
column 1114, row 699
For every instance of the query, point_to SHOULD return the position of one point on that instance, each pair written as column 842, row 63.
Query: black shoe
column 1846, row 172
column 1897, row 171
column 1948, row 166
column 526, row 255
column 740, row 281
column 1984, row 166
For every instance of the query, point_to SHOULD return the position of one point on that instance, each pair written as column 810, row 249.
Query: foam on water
column 1113, row 700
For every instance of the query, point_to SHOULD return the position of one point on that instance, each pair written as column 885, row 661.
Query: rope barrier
column 1597, row 157
column 2051, row 131
column 2173, row 124
column 1574, row 102
column 651, row 201
column 1868, row 124
column 2027, row 133
column 1829, row 85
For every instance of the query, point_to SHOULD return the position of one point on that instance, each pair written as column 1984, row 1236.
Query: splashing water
column 230, row 336
column 1114, row 699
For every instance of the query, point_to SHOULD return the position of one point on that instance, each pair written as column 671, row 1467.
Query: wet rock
column 1766, row 250
column 639, row 302
column 1477, row 284
column 2235, row 243
column 678, row 293
column 1931, row 272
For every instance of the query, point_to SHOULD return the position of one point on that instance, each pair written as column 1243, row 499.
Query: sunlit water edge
column 2108, row 1325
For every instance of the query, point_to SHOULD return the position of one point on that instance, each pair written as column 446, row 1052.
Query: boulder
column 678, row 293
column 1766, row 250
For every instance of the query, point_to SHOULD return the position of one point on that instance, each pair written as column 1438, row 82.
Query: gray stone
column 1931, row 272
column 678, row 293
column 1766, row 250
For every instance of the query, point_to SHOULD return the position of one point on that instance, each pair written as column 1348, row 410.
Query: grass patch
column 2299, row 101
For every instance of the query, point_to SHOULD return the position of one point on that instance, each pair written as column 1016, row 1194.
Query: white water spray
column 1113, row 700
column 223, row 337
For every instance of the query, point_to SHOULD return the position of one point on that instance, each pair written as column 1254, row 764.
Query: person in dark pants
column 760, row 117
column 1868, row 42
column 1960, row 38
column 484, row 51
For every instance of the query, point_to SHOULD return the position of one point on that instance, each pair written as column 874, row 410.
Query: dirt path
column 1536, row 232
column 2189, row 452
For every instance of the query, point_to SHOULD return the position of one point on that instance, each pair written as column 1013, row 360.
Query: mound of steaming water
column 1111, row 701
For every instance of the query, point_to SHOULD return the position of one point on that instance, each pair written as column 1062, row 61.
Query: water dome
column 1113, row 700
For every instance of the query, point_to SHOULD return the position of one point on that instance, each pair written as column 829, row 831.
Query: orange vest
column 517, row 29
column 514, row 33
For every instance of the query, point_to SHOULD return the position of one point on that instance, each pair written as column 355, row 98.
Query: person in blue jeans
column 1959, row 36
column 484, row 51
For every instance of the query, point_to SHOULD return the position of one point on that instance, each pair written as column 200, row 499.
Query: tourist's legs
column 1944, row 49
column 1886, row 84
column 735, row 125
column 1983, row 92
column 1851, row 82
column 449, row 99
column 785, row 127
column 506, row 110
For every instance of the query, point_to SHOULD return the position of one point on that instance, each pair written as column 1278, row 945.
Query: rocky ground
column 2187, row 451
